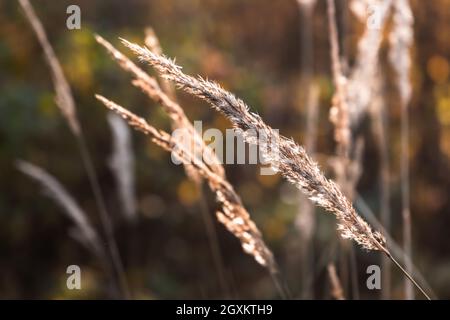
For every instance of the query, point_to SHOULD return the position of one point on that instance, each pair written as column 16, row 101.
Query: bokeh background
column 254, row 49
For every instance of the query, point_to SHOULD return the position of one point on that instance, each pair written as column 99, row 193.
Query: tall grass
column 358, row 93
column 232, row 214
column 291, row 160
column 336, row 288
column 66, row 103
column 193, row 141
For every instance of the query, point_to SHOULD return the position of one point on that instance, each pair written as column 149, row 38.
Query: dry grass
column 336, row 288
column 355, row 92
column 150, row 86
column 232, row 214
column 152, row 43
column 66, row 104
column 64, row 99
column 291, row 159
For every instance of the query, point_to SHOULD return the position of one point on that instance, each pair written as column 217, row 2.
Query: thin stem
column 406, row 211
column 407, row 274
column 283, row 291
column 394, row 247
column 385, row 215
column 213, row 243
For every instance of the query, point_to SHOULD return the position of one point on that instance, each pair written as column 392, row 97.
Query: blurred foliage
column 252, row 48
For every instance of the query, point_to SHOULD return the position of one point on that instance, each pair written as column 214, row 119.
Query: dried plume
column 291, row 159
column 64, row 99
column 152, row 43
column 232, row 214
column 179, row 120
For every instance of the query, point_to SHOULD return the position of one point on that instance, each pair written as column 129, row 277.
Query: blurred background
column 256, row 49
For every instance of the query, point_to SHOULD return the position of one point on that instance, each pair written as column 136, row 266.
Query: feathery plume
column 291, row 159
column 152, row 43
column 166, row 98
column 178, row 118
column 232, row 214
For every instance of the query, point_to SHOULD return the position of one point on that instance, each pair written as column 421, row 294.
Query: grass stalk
column 66, row 104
